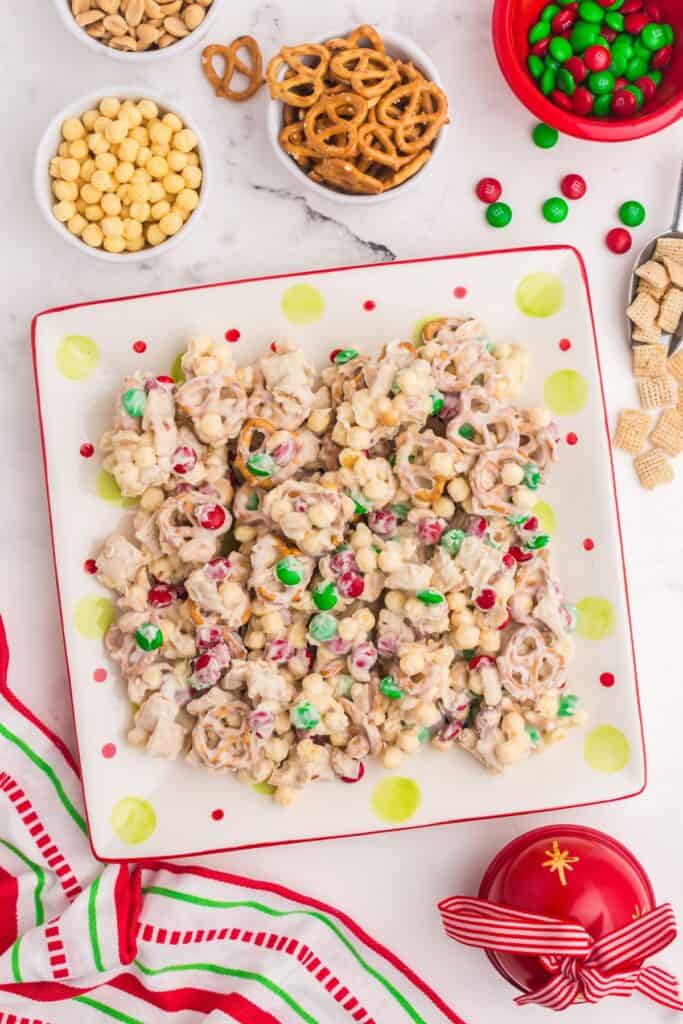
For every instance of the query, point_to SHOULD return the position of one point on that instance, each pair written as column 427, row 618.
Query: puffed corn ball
column 126, row 176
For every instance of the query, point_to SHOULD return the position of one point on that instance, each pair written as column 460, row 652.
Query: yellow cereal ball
column 171, row 223
column 140, row 211
column 157, row 149
column 128, row 150
column 64, row 211
column 193, row 160
column 123, row 192
column 173, row 183
column 138, row 192
column 114, row 243
column 173, row 122
column 160, row 133
column 80, row 206
column 55, row 167
column 148, row 109
column 87, row 169
column 88, row 119
column 140, row 174
column 103, row 181
column 156, row 166
column 63, row 149
column 183, row 213
column 112, row 226
column 155, row 235
column 90, row 194
column 65, row 190
column 192, row 177
column 135, row 244
column 124, row 172
column 92, row 235
column 160, row 209
column 69, row 169
column 94, row 212
column 97, row 143
column 144, row 156
column 184, row 140
column 77, row 224
column 110, row 106
column 187, row 200
column 73, row 129
column 111, row 204
column 130, row 114
column 156, row 191
column 140, row 135
column 116, row 131
column 132, row 229
column 105, row 162
column 101, row 124
column 78, row 150
column 176, row 160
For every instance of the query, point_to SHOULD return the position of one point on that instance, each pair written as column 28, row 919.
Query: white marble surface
column 257, row 223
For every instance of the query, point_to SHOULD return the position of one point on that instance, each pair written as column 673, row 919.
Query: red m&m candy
column 619, row 240
column 597, row 58
column 576, row 68
column 624, row 104
column 573, row 186
column 489, row 190
column 662, row 58
column 635, row 23
column 211, row 517
column 582, row 101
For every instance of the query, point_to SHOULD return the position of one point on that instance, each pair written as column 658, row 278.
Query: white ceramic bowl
column 49, row 143
column 403, row 49
column 182, row 46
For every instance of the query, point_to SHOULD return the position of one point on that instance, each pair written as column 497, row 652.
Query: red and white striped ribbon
column 578, row 965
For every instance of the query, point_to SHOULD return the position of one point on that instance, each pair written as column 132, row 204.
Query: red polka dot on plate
column 232, row 335
column 607, row 679
column 572, row 438
column 369, row 305
column 109, row 750
column 218, row 814
column 139, row 347
column 588, row 544
column 99, row 675
column 90, row 566
column 460, row 292
column 565, row 344
column 87, row 450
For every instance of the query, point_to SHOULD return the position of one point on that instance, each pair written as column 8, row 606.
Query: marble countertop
column 258, row 223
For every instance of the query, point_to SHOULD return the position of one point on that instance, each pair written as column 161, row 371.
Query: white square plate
column 139, row 807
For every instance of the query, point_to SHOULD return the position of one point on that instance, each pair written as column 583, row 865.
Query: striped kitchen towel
column 80, row 944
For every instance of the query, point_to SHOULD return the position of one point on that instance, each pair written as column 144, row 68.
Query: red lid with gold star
column 569, row 872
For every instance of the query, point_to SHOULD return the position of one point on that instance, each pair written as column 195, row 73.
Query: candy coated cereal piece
column 148, row 637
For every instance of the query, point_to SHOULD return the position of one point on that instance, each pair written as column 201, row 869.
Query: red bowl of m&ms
column 606, row 70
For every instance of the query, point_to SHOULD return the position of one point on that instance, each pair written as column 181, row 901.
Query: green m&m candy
column 541, row 540
column 437, row 402
column 430, row 596
column 535, row 66
column 669, row 35
column 305, row 716
column 289, row 571
column 134, row 401
column 632, row 213
column 325, row 596
column 601, row 82
column 637, row 92
column 148, row 637
column 544, row 136
column 451, row 540
column 323, row 627
column 541, row 30
column 566, row 82
column 603, row 105
column 344, row 355
column 532, row 477
column 548, row 79
column 555, row 210
column 360, row 504
column 549, row 12
column 583, row 35
column 533, row 734
column 568, row 706
column 390, row 688
column 253, row 502
column 615, row 21
column 261, row 464
column 635, row 68
column 653, row 36
column 498, row 215
column 466, row 431
column 560, row 49
column 591, row 12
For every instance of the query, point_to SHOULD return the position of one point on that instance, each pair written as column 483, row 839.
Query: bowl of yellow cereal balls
column 121, row 175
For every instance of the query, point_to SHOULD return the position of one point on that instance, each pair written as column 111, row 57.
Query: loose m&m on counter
column 600, row 58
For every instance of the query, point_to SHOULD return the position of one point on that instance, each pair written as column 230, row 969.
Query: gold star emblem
column 559, row 861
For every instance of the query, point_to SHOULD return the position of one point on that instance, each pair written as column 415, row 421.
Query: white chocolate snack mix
column 327, row 568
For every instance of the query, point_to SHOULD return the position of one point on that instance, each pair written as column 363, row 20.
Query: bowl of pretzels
column 358, row 118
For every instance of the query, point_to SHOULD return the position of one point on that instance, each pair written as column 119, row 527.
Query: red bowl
column 512, row 20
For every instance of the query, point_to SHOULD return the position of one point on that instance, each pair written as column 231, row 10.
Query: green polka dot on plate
column 133, row 820
column 421, row 324
column 395, row 799
column 546, row 516
column 565, row 392
column 93, row 616
column 606, row 749
column 108, row 490
column 302, row 304
column 177, row 369
column 263, row 787
column 540, row 295
column 77, row 356
column 596, row 618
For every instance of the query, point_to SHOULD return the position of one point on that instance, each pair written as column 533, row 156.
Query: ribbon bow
column 579, row 965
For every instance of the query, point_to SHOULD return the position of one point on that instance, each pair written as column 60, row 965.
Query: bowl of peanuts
column 121, row 174
column 138, row 30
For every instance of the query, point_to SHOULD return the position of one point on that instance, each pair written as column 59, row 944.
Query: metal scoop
column 675, row 339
